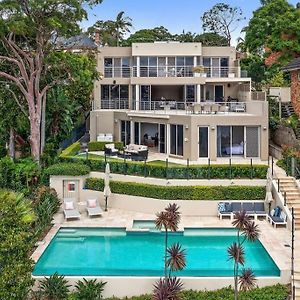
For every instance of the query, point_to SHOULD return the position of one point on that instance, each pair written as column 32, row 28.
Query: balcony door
column 203, row 142
column 252, row 141
column 219, row 93
column 162, row 137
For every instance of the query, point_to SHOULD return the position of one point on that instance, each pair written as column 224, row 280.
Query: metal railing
column 187, row 107
column 171, row 71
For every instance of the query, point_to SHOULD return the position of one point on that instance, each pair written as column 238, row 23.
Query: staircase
column 289, row 186
column 287, row 109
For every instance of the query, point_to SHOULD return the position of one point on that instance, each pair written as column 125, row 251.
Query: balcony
column 187, row 108
column 172, row 71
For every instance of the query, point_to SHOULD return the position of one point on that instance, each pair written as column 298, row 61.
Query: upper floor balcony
column 234, row 107
column 173, row 71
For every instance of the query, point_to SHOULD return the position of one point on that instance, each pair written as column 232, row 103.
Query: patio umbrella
column 107, row 190
column 269, row 197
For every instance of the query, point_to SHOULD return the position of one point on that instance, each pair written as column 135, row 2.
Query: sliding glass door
column 238, row 141
column 176, row 140
column 125, row 132
column 162, row 138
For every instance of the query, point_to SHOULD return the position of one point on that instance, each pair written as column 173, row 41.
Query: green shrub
column 180, row 192
column 54, row 287
column 15, row 244
column 89, row 289
column 71, row 150
column 46, row 204
column 99, row 146
column 71, row 169
column 275, row 292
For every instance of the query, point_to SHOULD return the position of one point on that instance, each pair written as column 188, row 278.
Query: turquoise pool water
column 115, row 252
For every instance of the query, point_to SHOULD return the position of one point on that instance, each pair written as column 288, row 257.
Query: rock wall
column 285, row 136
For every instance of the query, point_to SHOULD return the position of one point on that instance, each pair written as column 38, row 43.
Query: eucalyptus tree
column 29, row 31
column 222, row 19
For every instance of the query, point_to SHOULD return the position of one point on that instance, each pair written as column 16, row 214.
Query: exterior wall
column 295, row 91
column 190, row 124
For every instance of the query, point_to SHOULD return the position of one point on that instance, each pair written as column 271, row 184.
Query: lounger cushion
column 69, row 205
column 95, row 211
column 221, row 207
column 259, row 206
column 228, row 207
column 236, row 206
column 72, row 214
column 92, row 203
column 248, row 207
column 277, row 219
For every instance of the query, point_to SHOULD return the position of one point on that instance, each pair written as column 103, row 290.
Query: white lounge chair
column 93, row 208
column 281, row 220
column 70, row 210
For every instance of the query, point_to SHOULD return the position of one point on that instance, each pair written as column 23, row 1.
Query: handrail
column 170, row 71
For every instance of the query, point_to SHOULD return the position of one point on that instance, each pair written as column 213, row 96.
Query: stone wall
column 285, row 136
column 295, row 91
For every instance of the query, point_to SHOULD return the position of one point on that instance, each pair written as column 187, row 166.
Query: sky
column 176, row 15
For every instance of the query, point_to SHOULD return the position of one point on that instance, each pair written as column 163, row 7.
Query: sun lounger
column 236, row 207
column 224, row 210
column 93, row 208
column 248, row 207
column 275, row 220
column 259, row 208
column 70, row 210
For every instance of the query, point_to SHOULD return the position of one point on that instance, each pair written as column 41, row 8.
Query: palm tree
column 168, row 220
column 122, row 25
column 247, row 230
column 167, row 289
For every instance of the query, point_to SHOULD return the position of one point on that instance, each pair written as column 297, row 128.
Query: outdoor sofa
column 109, row 149
column 136, row 151
column 252, row 209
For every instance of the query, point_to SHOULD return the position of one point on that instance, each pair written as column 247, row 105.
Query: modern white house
column 180, row 99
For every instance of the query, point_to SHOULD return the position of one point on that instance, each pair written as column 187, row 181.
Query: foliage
column 28, row 29
column 278, row 80
column 54, row 287
column 15, row 243
column 222, row 19
column 89, row 289
column 112, row 31
column 275, row 292
column 180, row 192
column 20, row 176
column 71, row 169
column 46, row 204
column 247, row 230
column 99, row 146
column 275, row 26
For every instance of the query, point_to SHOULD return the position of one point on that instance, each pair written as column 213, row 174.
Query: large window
column 114, row 96
column 176, row 139
column 230, row 141
column 203, row 141
column 125, row 132
column 238, row 141
column 117, row 67
column 190, row 93
column 216, row 66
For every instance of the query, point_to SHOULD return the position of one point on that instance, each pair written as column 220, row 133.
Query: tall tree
column 122, row 26
column 222, row 19
column 28, row 31
column 275, row 27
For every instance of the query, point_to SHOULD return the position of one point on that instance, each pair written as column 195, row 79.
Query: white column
column 195, row 61
column 138, row 66
column 137, row 97
column 168, row 144
column 131, row 132
column 198, row 97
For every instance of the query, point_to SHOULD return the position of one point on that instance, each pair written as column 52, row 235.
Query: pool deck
column 276, row 241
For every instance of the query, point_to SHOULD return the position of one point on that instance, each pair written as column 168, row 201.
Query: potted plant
column 199, row 71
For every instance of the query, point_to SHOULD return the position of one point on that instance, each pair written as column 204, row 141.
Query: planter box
column 200, row 74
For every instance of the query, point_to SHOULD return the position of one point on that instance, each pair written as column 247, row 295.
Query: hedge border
column 179, row 192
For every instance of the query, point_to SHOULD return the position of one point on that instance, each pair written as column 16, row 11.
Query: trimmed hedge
column 180, row 192
column 71, row 150
column 182, row 172
column 275, row 292
column 99, row 146
column 70, row 169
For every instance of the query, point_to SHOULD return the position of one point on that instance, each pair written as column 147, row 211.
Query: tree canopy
column 222, row 19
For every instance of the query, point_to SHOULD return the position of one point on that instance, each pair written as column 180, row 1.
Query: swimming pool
column 117, row 252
